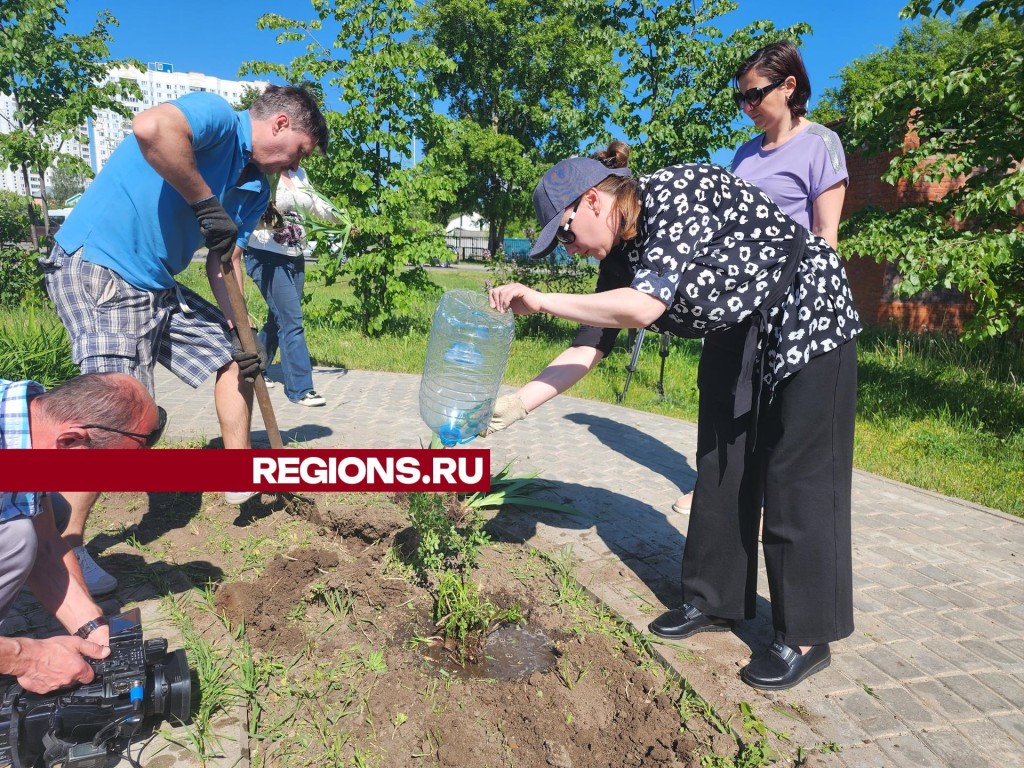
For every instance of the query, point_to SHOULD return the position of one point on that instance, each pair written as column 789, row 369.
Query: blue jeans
column 281, row 280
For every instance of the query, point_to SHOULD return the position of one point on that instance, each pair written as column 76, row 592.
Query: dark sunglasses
column 564, row 233
column 149, row 438
column 755, row 96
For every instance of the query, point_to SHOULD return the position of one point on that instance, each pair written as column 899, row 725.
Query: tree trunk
column 501, row 240
column 31, row 211
column 46, row 210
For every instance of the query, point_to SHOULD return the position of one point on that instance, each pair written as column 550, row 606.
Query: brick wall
column 871, row 281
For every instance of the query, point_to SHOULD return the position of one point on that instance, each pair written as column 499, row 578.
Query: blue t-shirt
column 135, row 223
column 15, row 433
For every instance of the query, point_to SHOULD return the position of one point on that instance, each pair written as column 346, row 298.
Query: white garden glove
column 508, row 409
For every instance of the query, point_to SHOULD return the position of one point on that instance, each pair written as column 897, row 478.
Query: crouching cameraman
column 98, row 410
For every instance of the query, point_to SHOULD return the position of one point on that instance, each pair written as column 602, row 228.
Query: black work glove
column 249, row 363
column 219, row 230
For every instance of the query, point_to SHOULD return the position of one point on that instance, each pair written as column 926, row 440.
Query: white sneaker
column 98, row 581
column 269, row 382
column 681, row 506
column 239, row 498
column 311, row 398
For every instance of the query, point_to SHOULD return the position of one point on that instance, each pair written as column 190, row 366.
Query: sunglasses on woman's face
column 754, row 96
column 564, row 233
column 149, row 439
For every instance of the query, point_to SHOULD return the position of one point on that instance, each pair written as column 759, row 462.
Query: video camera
column 80, row 727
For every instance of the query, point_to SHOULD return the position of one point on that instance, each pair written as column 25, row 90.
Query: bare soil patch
column 341, row 634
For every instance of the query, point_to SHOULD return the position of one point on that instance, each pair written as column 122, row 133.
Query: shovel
column 248, row 340
column 295, row 504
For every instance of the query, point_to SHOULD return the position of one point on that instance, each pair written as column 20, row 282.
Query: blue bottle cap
column 451, row 435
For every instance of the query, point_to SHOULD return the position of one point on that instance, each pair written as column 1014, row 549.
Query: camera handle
column 55, row 751
column 15, row 726
column 60, row 754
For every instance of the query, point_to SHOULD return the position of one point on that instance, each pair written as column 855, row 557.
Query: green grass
column 34, row 345
column 934, row 414
column 931, row 412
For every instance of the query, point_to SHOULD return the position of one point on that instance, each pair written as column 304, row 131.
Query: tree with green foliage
column 532, row 81
column 922, row 51
column 536, row 82
column 58, row 80
column 22, row 283
column 968, row 126
column 492, row 174
column 385, row 99
column 15, row 225
column 249, row 94
column 65, row 183
column 677, row 67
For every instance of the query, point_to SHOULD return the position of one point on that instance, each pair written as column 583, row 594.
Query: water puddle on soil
column 509, row 652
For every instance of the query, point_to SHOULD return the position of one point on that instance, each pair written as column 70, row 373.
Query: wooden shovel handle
column 248, row 340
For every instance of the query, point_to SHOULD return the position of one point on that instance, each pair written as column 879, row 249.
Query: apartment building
column 14, row 181
column 102, row 135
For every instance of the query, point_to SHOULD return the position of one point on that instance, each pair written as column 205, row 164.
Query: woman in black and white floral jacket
column 694, row 251
column 275, row 259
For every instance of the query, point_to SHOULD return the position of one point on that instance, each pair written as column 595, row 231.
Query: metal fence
column 512, row 249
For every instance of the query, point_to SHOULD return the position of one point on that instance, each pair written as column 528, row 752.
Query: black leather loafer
column 683, row 622
column 781, row 667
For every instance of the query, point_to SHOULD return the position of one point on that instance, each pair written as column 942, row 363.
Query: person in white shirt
column 275, row 259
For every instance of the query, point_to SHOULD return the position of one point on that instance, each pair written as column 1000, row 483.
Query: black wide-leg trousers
column 801, row 467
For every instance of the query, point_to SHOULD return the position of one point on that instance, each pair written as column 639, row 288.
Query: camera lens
column 172, row 687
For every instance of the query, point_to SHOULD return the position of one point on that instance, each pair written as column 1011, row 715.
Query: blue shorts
column 116, row 327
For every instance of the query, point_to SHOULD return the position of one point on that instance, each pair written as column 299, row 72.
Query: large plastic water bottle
column 466, row 357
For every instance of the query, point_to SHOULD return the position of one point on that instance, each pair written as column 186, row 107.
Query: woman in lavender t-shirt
column 798, row 163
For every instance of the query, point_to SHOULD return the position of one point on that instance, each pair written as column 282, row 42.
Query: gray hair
column 112, row 399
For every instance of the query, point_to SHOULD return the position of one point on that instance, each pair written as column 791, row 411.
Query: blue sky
column 215, row 36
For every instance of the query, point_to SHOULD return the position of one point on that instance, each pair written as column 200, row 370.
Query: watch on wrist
column 91, row 626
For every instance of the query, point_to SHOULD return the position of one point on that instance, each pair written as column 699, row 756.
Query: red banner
column 267, row 471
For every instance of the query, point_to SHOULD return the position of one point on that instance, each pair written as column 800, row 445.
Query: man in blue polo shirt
column 193, row 171
column 101, row 410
